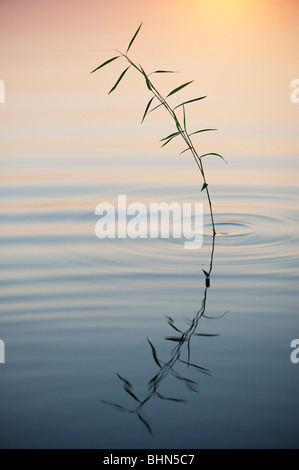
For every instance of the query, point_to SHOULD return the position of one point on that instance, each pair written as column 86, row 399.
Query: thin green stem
column 183, row 132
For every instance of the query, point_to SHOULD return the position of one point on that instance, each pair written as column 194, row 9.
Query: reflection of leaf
column 175, row 338
column 184, row 379
column 116, row 405
column 202, row 369
column 191, row 387
column 128, row 387
column 145, row 423
column 171, row 323
column 153, row 379
column 154, row 354
column 205, row 334
column 124, row 380
column 171, row 399
column 131, row 393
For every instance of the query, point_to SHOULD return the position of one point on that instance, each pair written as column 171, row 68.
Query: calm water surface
column 91, row 326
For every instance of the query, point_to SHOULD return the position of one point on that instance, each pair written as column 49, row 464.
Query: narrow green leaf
column 132, row 63
column 190, row 101
column 204, row 186
column 202, row 130
column 147, row 108
column 179, row 88
column 212, row 153
column 105, row 63
column 121, row 76
column 167, row 142
column 188, row 148
column 154, row 354
column 170, row 136
column 146, row 78
column 155, row 107
column 133, row 38
column 184, row 115
column 163, row 71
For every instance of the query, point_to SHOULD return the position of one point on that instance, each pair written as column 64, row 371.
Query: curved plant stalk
column 181, row 128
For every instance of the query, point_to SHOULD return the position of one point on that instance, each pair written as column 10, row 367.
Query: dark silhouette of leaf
column 171, row 323
column 202, row 369
column 154, row 354
column 124, row 380
column 171, row 399
column 129, row 391
column 105, row 63
column 190, row 101
column 121, row 76
column 192, row 387
column 147, row 108
column 179, row 339
column 180, row 377
column 153, row 379
column 204, row 186
column 205, row 334
column 179, row 88
column 145, row 423
column 116, row 405
column 133, row 38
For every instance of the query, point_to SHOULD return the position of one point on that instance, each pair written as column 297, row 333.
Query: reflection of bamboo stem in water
column 168, row 367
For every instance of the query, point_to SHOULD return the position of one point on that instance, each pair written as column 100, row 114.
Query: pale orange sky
column 242, row 54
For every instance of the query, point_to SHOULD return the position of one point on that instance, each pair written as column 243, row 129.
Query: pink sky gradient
column 242, row 54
